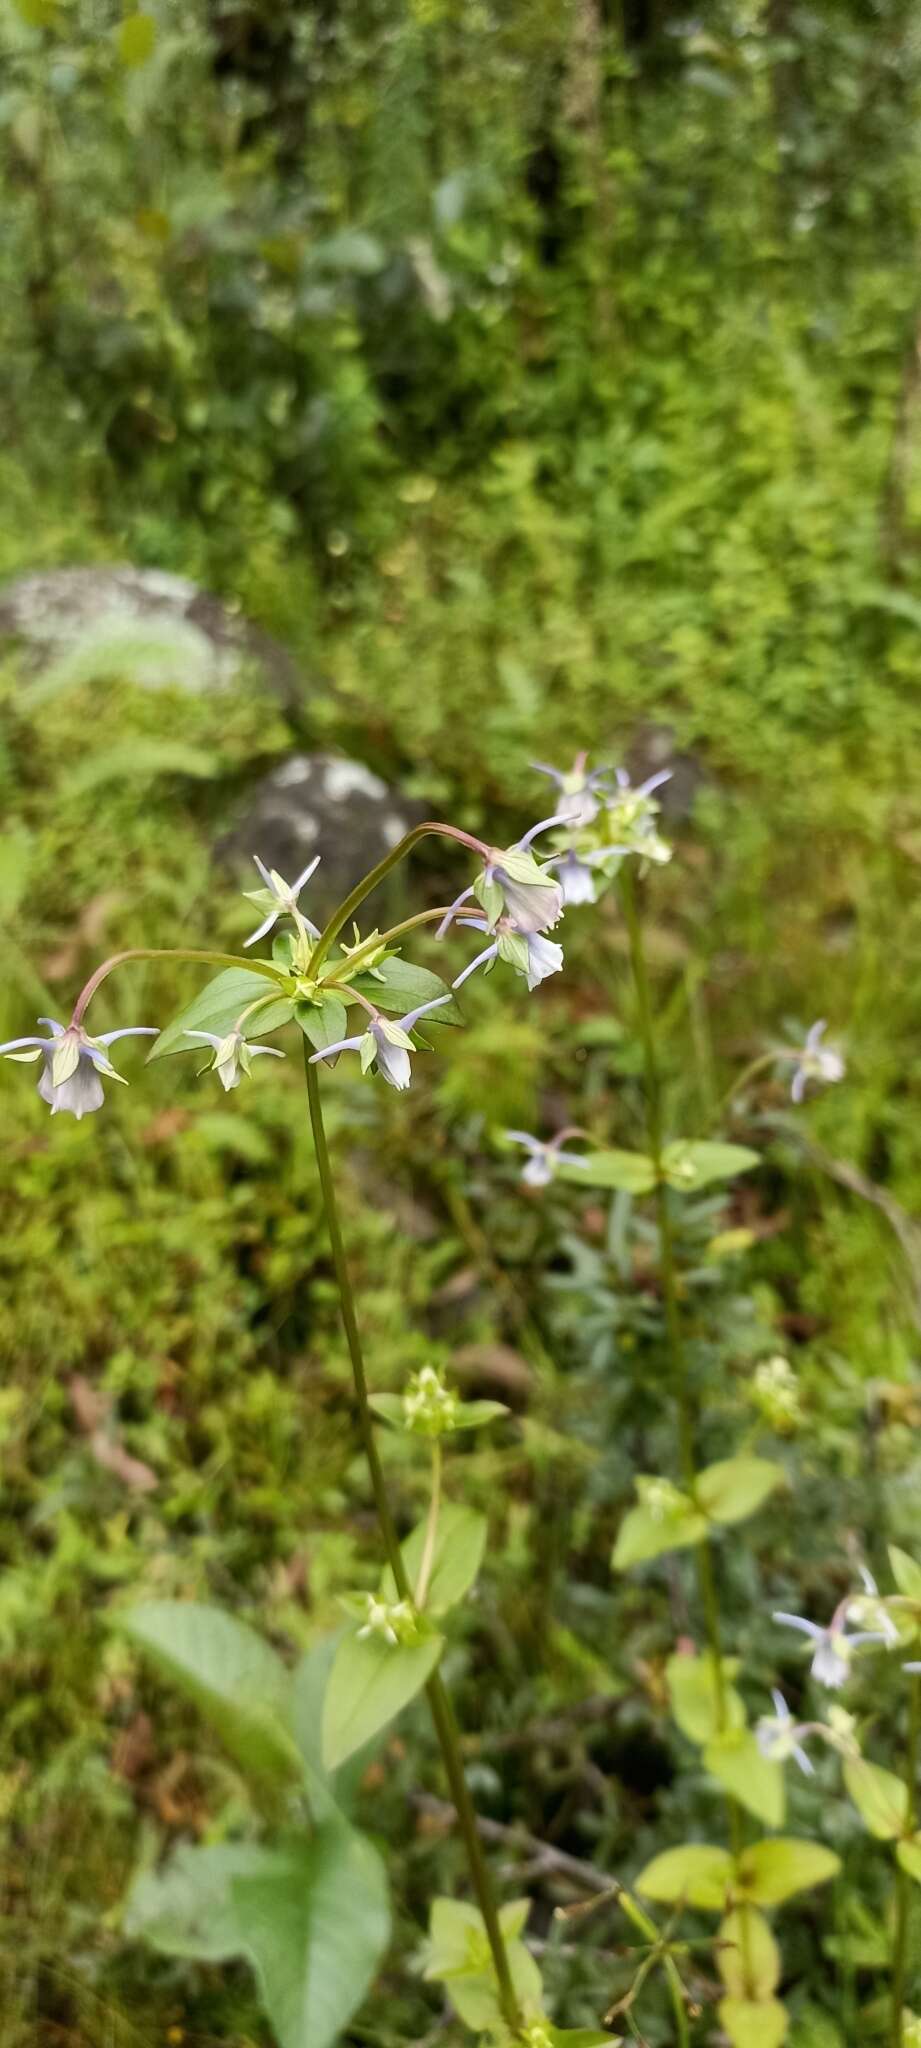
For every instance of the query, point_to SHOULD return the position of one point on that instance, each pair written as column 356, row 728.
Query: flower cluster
column 395, row 1621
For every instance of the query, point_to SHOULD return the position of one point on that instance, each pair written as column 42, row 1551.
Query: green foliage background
column 540, row 375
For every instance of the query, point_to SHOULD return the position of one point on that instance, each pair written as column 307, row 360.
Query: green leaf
column 772, row 1871
column 694, row 1166
column 754, row 2025
column 144, row 758
column 459, row 1547
column 906, row 1572
column 754, row 1780
column 390, row 1409
column 649, row 1530
column 580, row 2037
column 322, row 1023
column 736, row 1487
column 371, row 1681
column 217, row 1007
column 458, row 1956
column 747, row 1956
column 880, row 1797
column 187, row 1908
column 476, row 1414
column 909, row 1855
column 698, row 1875
column 694, row 1697
column 235, row 1678
column 136, row 37
column 398, row 986
column 316, row 1925
column 630, row 1171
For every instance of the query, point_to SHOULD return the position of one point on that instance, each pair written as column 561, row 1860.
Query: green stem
column 356, row 954
column 439, row 1702
column 96, row 980
column 903, row 1881
column 377, row 875
column 431, row 1530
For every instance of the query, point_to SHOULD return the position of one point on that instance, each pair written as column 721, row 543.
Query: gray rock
column 156, row 628
column 326, row 804
column 654, row 747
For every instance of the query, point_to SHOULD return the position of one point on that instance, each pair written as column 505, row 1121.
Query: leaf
column 754, row 1780
column 322, row 1023
column 217, row 1007
column 458, row 1956
column 316, row 1923
column 187, row 1908
column 880, row 1797
column 733, row 1489
column 390, row 1409
column 647, row 1532
column 906, row 1572
column 751, row 2025
column 144, row 758
column 772, row 1871
column 235, row 1678
column 632, row 1172
column 693, row 1166
column 398, row 986
column 692, row 1692
column 909, row 1855
column 370, row 1683
column 749, row 1963
column 136, row 38
column 459, row 1547
column 698, row 1875
column 579, row 2037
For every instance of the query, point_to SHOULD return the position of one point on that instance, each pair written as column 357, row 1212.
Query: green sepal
column 489, row 895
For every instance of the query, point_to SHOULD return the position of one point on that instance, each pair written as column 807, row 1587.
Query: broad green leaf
column 698, row 1875
column 235, row 1678
column 316, row 1924
column 330, row 1792
column 458, row 1956
column 736, row 1487
column 754, row 2025
column 217, row 1007
column 187, row 1908
column 773, row 1871
column 630, row 1171
column 136, row 38
column 669, row 1522
column 906, row 1572
column 754, row 1780
column 322, row 1023
column 747, row 1956
column 909, row 1855
column 459, row 1547
column 880, row 1797
column 398, row 986
column 692, row 1166
column 371, row 1681
column 693, row 1694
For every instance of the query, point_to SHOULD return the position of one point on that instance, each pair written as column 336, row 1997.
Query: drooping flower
column 279, row 898
column 869, row 1610
column 778, row 1736
column 545, row 1156
column 575, row 877
column 577, row 800
column 834, row 1648
column 528, row 952
column 816, row 1062
column 386, row 1043
column 233, row 1055
column 512, row 884
column 633, row 817
column 73, row 1063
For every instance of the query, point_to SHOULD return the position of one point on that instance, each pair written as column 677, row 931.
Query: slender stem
column 87, row 993
column 377, row 875
column 431, row 1529
column 356, row 954
column 903, row 1881
column 439, row 1702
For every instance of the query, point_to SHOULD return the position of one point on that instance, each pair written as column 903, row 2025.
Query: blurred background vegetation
column 541, row 376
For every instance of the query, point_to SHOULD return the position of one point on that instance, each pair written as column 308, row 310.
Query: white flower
column 386, row 1044
column 72, row 1063
column 512, row 884
column 279, row 898
column 577, row 801
column 870, row 1611
column 777, row 1736
column 233, row 1055
column 816, row 1062
column 528, row 952
column 834, row 1648
column 546, row 1156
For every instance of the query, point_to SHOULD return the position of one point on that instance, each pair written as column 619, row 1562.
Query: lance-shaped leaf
column 880, row 1797
column 459, row 1546
column 370, row 1683
column 698, row 1704
column 316, row 1923
column 692, row 1166
column 770, row 1872
column 235, row 1678
column 697, row 1875
column 631, row 1172
column 747, row 1956
column 754, row 1780
column 733, row 1489
column 217, row 1007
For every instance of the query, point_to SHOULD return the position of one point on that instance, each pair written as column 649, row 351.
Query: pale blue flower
column 233, row 1055
column 777, row 1736
column 72, row 1063
column 546, row 1155
column 512, row 884
column 279, row 898
column 386, row 1043
column 577, row 800
column 816, row 1062
column 530, row 953
column 834, row 1647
